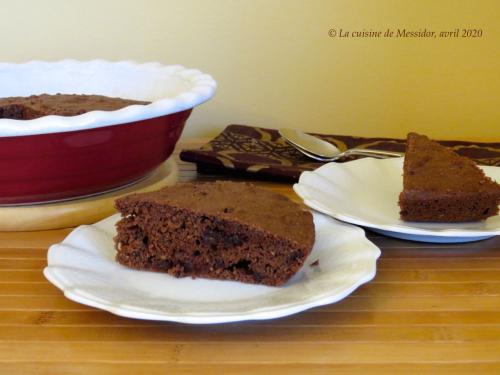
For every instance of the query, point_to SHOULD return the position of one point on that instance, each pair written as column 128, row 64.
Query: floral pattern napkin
column 262, row 152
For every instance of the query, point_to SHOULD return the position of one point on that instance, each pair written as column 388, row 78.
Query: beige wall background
column 276, row 65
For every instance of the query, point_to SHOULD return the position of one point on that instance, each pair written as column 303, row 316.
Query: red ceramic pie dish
column 55, row 157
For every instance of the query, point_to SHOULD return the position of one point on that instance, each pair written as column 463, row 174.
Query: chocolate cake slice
column 34, row 106
column 442, row 186
column 220, row 230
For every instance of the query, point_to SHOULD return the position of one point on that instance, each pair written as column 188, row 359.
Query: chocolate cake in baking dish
column 35, row 106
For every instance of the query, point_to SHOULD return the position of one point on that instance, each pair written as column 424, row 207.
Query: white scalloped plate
column 83, row 266
column 170, row 88
column 365, row 192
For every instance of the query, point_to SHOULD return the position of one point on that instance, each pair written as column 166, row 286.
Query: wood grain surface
column 431, row 308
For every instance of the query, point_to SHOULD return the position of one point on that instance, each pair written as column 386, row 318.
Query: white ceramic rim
column 454, row 233
column 203, row 88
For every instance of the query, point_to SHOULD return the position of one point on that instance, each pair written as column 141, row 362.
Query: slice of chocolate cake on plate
column 221, row 230
column 441, row 186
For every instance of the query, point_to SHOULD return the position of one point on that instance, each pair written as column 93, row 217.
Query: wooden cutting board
column 81, row 211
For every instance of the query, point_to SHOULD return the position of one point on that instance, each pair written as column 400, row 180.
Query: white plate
column 83, row 266
column 365, row 192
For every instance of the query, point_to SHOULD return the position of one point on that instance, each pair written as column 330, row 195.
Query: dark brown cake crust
column 221, row 230
column 441, row 186
column 31, row 107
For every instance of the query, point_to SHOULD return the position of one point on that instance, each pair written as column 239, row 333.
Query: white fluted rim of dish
column 169, row 88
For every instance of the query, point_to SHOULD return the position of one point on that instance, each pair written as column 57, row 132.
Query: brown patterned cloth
column 263, row 152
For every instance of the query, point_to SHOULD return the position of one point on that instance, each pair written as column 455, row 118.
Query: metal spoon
column 321, row 150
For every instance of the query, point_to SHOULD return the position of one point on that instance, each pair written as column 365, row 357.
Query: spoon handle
column 371, row 152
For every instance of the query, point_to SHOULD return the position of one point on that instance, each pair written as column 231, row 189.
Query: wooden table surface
column 431, row 308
